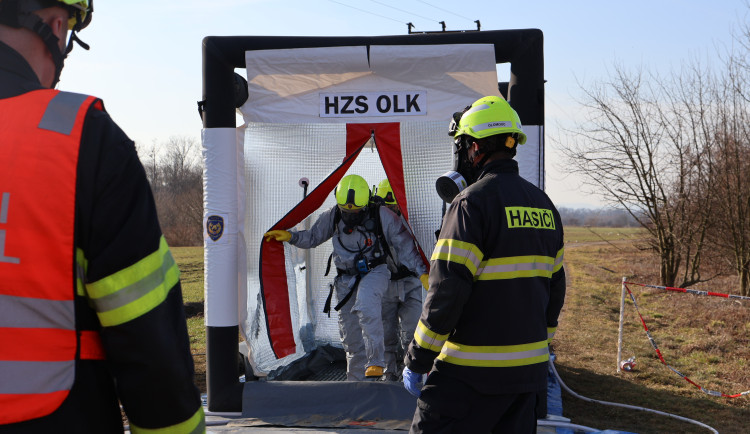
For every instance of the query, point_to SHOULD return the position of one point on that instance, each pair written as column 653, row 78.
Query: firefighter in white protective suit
column 362, row 234
column 402, row 303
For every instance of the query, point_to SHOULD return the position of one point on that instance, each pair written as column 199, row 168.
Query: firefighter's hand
column 413, row 382
column 425, row 281
column 278, row 235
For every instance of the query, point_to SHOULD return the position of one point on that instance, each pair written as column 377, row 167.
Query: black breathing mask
column 353, row 219
column 464, row 172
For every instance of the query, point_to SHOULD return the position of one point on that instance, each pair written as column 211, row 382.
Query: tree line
column 674, row 151
column 598, row 217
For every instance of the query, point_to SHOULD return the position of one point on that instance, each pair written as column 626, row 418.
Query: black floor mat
column 336, row 371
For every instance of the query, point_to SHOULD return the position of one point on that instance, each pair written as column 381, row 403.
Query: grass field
column 705, row 338
column 190, row 261
column 576, row 234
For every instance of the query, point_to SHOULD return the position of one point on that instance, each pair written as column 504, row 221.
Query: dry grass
column 190, row 261
column 705, row 338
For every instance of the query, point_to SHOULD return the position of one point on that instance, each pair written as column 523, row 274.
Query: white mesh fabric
column 427, row 153
column 276, row 157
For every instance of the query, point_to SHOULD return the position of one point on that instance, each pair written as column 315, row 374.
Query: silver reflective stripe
column 454, row 250
column 490, row 125
column 476, row 108
column 61, row 112
column 426, row 338
column 25, row 312
column 494, row 356
column 4, row 208
column 559, row 259
column 504, row 268
column 36, row 377
column 135, row 291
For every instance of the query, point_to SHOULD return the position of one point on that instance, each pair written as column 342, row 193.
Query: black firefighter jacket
column 497, row 286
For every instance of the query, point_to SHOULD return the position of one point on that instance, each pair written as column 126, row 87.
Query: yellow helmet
column 352, row 193
column 385, row 192
column 488, row 116
column 80, row 11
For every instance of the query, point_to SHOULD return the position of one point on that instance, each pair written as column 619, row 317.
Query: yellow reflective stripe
column 515, row 267
column 495, row 356
column 81, row 267
column 559, row 260
column 135, row 290
column 129, row 275
column 460, row 252
column 428, row 339
column 195, row 425
column 551, row 333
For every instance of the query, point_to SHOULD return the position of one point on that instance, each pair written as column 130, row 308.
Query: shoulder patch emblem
column 215, row 227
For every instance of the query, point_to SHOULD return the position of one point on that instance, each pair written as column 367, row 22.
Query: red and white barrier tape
column 656, row 348
column 692, row 291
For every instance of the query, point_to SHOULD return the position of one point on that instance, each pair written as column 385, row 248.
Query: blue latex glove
column 413, row 382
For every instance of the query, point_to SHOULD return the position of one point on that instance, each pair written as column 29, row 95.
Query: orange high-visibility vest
column 39, row 344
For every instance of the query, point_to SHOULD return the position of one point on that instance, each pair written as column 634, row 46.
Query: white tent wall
column 287, row 86
column 530, row 156
column 277, row 157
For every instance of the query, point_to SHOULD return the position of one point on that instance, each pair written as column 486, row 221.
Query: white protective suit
column 360, row 319
column 402, row 306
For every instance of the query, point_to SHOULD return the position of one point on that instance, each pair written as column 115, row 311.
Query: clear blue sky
column 145, row 58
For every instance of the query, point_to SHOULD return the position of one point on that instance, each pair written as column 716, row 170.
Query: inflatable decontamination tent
column 316, row 109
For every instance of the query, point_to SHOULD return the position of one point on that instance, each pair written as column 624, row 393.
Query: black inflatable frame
column 522, row 49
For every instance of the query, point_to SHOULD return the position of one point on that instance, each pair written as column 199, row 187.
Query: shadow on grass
column 193, row 309
column 712, row 411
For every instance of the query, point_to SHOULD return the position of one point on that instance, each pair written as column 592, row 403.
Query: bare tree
column 176, row 178
column 640, row 150
column 149, row 159
column 730, row 234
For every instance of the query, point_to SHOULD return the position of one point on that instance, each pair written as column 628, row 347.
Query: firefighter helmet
column 488, row 116
column 352, row 193
column 385, row 192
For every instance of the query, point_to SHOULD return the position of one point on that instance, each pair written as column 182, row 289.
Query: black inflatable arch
column 522, row 49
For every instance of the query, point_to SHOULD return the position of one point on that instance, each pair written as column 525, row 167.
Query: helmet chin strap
column 34, row 23
column 478, row 163
column 68, row 48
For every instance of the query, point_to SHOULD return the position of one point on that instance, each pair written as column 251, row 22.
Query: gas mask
column 353, row 219
column 464, row 172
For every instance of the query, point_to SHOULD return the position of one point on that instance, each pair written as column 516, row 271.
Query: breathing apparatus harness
column 20, row 14
column 372, row 226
